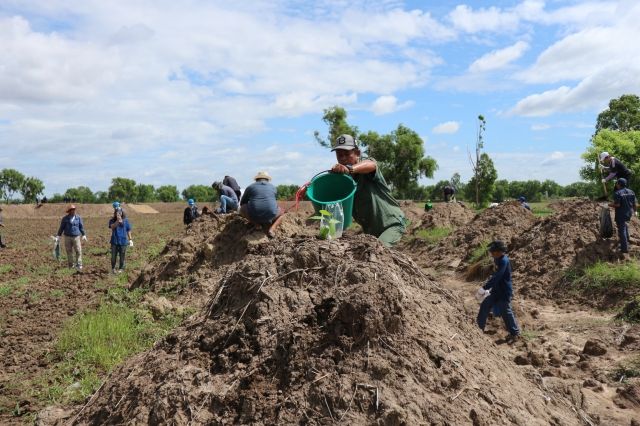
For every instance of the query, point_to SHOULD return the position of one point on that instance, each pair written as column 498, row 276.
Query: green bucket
column 332, row 188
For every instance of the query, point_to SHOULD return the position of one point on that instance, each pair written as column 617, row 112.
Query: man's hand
column 84, row 238
column 339, row 168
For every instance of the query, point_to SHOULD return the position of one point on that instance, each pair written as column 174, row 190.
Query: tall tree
column 286, row 192
column 145, row 193
column 482, row 185
column 336, row 118
column 168, row 193
column 11, row 181
column 81, row 194
column 201, row 193
column 32, row 187
column 122, row 189
column 475, row 164
column 623, row 114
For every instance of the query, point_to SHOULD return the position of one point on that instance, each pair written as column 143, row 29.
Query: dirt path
column 552, row 350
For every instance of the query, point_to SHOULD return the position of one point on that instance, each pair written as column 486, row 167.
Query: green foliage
column 6, row 268
column 286, row 192
column 622, row 145
column 486, row 175
column 583, row 189
column 627, row 369
column 102, row 197
column 11, row 181
column 168, row 193
column 202, row 193
column 31, row 188
column 603, row 276
column 81, row 194
column 336, row 118
column 122, row 189
column 434, row 235
column 622, row 115
column 631, row 311
column 541, row 209
column 479, row 252
column 327, row 225
column 145, row 193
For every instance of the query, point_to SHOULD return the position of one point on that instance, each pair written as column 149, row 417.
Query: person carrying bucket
column 374, row 208
column 259, row 205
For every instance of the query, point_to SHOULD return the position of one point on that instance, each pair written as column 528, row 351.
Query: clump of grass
column 434, row 235
column 541, row 211
column 627, row 369
column 602, row 276
column 6, row 290
column 479, row 252
column 631, row 311
column 6, row 268
column 56, row 294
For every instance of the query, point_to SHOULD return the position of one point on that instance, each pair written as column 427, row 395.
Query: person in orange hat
column 73, row 229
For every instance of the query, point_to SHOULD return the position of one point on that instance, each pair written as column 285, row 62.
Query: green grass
column 479, row 252
column 541, row 209
column 65, row 272
column 627, row 369
column 434, row 235
column 56, row 294
column 602, row 276
column 6, row 268
column 6, row 290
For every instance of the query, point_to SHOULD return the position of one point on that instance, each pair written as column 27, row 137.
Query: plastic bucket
column 331, row 188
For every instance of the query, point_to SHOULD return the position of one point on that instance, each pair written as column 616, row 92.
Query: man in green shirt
column 374, row 208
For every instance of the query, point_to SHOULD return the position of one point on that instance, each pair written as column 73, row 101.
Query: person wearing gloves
column 624, row 203
column 73, row 229
column 498, row 292
column 259, row 205
column 120, row 239
column 190, row 212
column 118, row 208
column 615, row 167
column 374, row 208
column 228, row 198
column 523, row 202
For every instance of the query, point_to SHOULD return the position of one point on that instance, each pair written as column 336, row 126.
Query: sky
column 185, row 92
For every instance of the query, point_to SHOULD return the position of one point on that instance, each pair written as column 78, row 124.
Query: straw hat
column 71, row 207
column 262, row 175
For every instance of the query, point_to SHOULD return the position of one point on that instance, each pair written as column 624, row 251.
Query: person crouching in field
column 259, row 205
column 72, row 228
column 500, row 292
column 374, row 208
column 120, row 239
column 191, row 212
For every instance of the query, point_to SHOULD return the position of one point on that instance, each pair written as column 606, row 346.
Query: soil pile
column 504, row 222
column 567, row 239
column 443, row 215
column 306, row 331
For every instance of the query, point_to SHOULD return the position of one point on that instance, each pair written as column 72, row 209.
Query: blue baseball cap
column 116, row 204
column 191, row 202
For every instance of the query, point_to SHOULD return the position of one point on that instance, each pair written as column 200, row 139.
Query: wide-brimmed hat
column 70, row 207
column 262, row 175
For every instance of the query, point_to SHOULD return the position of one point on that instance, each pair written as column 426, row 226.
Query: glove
column 481, row 294
column 84, row 238
column 604, row 181
column 56, row 238
column 130, row 243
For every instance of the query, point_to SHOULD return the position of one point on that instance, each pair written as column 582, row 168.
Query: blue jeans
column 227, row 203
column 623, row 235
column 116, row 250
column 504, row 308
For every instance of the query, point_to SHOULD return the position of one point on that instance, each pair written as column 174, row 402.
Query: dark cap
column 346, row 142
column 622, row 182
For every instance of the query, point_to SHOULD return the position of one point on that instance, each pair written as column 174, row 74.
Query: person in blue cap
column 523, row 202
column 120, row 238
column 191, row 212
column 499, row 292
column 624, row 203
column 117, row 208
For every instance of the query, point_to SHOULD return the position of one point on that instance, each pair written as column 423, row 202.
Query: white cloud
column 539, row 127
column 554, row 158
column 449, row 127
column 387, row 104
column 466, row 19
column 499, row 58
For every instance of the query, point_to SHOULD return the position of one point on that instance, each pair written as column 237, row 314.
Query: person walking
column 190, row 212
column 120, row 239
column 73, row 229
column 374, row 208
column 259, row 204
column 2, row 242
column 228, row 198
column 499, row 292
column 615, row 167
column 624, row 203
column 232, row 183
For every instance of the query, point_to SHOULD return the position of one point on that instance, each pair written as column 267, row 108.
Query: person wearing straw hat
column 374, row 208
column 259, row 205
column 73, row 229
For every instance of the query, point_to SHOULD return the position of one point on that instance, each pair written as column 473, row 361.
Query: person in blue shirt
column 259, row 205
column 624, row 201
column 523, row 202
column 73, row 229
column 120, row 239
column 228, row 198
column 500, row 292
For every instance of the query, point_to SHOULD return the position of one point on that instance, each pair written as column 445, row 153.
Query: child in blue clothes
column 500, row 292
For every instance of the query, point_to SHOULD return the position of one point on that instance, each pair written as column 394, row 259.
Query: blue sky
column 168, row 92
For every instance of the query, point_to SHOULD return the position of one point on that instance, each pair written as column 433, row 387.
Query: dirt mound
column 142, row 209
column 53, row 211
column 444, row 215
column 314, row 332
column 567, row 239
column 504, row 222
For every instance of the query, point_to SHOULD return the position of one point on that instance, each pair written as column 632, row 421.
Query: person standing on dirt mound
column 499, row 292
column 120, row 239
column 2, row 244
column 624, row 201
column 374, row 208
column 259, row 205
column 228, row 198
column 73, row 229
column 191, row 212
column 449, row 193
column 232, row 183
column 615, row 167
column 523, row 202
